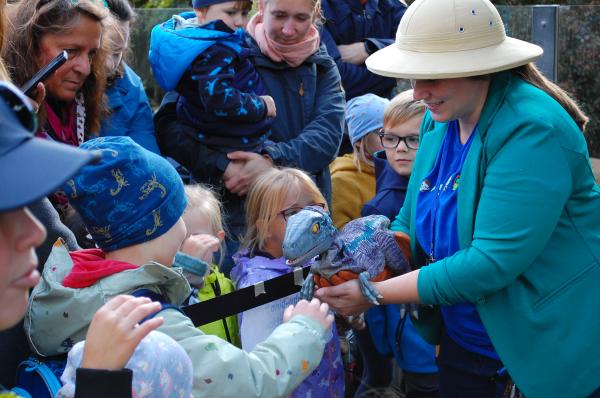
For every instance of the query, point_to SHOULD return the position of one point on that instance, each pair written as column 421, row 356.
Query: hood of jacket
column 58, row 316
column 175, row 43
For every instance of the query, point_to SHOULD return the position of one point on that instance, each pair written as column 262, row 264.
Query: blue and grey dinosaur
column 364, row 247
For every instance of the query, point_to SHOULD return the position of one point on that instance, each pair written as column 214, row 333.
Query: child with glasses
column 273, row 198
column 388, row 334
column 353, row 175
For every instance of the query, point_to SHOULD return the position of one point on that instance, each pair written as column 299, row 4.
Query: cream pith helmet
column 440, row 39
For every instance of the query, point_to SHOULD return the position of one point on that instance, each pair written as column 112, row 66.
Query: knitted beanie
column 129, row 196
column 364, row 114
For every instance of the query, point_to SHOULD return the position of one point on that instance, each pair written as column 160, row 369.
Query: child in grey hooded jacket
column 131, row 202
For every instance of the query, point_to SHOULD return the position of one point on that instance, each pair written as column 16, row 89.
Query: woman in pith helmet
column 502, row 211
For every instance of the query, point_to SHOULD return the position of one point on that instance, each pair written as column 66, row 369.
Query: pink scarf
column 293, row 54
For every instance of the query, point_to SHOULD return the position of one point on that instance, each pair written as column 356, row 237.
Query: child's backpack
column 40, row 377
column 217, row 284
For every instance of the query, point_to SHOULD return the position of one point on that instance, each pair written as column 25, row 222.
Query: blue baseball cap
column 30, row 167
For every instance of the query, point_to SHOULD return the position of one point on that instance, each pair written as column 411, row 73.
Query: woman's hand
column 115, row 332
column 345, row 299
column 354, row 53
column 270, row 103
column 202, row 246
column 315, row 310
column 253, row 166
column 38, row 97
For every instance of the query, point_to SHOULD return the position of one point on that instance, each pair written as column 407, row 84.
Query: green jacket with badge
column 529, row 230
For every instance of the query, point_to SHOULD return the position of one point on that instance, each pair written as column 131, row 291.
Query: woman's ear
column 221, row 235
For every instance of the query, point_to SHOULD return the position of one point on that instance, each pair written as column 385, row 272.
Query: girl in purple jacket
column 273, row 198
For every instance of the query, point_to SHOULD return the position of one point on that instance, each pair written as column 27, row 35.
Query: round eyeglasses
column 287, row 213
column 391, row 141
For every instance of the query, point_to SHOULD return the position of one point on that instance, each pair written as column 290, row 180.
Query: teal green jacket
column 529, row 231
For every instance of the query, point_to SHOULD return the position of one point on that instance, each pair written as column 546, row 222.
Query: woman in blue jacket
column 130, row 112
column 502, row 211
column 302, row 79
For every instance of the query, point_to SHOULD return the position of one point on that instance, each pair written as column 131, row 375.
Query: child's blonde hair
column 267, row 195
column 402, row 108
column 206, row 201
column 359, row 155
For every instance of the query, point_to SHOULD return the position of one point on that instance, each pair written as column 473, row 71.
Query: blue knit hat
column 128, row 197
column 207, row 3
column 364, row 114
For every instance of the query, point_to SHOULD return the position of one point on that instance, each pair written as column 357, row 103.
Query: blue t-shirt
column 437, row 233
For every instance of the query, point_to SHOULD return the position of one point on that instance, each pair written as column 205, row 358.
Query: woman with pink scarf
column 303, row 80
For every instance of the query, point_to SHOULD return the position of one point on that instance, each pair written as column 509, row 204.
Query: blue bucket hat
column 129, row 196
column 208, row 3
column 364, row 114
column 30, row 167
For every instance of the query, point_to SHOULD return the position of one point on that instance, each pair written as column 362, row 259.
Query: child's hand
column 315, row 310
column 270, row 103
column 201, row 246
column 115, row 332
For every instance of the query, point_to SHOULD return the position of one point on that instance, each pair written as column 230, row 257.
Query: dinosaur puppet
column 365, row 247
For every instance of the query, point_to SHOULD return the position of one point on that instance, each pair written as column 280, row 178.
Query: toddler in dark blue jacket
column 203, row 56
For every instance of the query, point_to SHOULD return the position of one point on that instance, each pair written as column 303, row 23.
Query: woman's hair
column 402, row 108
column 122, row 10
column 31, row 20
column 114, row 41
column 3, row 73
column 204, row 200
column 117, row 39
column 265, row 198
column 530, row 73
column 316, row 6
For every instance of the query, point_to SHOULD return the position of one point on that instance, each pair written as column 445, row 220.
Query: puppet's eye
column 315, row 228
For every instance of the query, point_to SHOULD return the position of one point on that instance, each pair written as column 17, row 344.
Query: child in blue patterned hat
column 131, row 201
column 204, row 57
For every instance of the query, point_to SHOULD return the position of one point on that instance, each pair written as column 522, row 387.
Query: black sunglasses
column 20, row 105
column 287, row 213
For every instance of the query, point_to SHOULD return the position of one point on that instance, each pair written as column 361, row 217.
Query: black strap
column 152, row 295
column 242, row 300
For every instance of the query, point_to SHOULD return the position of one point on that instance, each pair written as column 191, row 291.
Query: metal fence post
column 544, row 32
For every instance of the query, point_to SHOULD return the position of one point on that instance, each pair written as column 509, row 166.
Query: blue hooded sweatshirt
column 220, row 89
